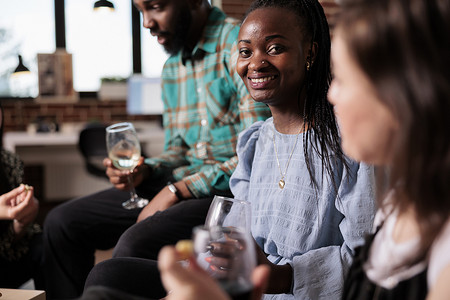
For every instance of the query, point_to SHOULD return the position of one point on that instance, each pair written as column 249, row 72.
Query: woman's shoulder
column 439, row 255
column 356, row 165
column 354, row 173
column 249, row 136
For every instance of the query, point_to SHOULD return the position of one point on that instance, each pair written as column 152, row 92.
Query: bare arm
column 165, row 199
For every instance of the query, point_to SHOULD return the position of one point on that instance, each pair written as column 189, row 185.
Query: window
column 26, row 28
column 100, row 42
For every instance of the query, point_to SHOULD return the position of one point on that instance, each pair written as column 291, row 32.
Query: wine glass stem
column 133, row 194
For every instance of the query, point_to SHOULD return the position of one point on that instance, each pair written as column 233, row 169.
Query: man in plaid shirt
column 206, row 105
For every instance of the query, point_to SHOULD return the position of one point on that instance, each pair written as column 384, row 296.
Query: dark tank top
column 357, row 285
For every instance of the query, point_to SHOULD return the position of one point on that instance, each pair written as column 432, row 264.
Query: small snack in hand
column 185, row 249
column 27, row 187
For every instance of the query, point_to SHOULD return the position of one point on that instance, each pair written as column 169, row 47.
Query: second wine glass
column 229, row 212
column 124, row 150
column 228, row 255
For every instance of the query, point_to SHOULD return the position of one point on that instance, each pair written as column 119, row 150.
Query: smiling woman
column 302, row 189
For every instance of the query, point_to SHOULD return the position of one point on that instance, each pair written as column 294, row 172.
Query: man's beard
column 179, row 37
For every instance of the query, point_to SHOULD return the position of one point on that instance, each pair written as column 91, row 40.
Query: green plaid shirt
column 206, row 105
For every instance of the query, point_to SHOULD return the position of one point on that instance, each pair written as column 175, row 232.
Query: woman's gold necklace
column 282, row 183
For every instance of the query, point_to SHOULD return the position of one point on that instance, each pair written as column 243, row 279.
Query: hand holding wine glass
column 228, row 255
column 124, row 150
column 190, row 282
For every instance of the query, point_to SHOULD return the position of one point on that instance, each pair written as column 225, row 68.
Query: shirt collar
column 209, row 40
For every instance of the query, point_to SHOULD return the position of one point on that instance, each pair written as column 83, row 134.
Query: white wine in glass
column 124, row 150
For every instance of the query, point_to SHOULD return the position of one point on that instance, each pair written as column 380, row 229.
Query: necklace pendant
column 281, row 184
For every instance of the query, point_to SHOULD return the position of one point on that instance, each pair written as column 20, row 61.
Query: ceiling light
column 21, row 69
column 103, row 5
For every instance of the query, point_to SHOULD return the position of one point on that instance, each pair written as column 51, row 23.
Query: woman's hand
column 19, row 205
column 280, row 280
column 193, row 283
column 119, row 178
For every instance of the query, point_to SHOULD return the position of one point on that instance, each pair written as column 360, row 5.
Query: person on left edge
column 20, row 236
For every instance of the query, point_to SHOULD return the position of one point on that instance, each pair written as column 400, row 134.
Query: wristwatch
column 174, row 190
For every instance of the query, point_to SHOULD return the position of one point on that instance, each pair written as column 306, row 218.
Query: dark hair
column 317, row 112
column 5, row 184
column 1, row 125
column 403, row 46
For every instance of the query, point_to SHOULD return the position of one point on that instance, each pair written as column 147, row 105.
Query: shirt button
column 199, row 145
column 204, row 122
column 199, row 90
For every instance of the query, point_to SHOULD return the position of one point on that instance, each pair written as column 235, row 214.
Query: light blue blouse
column 315, row 230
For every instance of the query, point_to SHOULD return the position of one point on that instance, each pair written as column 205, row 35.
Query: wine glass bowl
column 124, row 150
column 125, row 155
column 228, row 255
column 226, row 212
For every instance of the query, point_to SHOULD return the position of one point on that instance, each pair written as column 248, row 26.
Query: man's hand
column 119, row 178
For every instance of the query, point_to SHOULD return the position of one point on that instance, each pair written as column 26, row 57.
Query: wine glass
column 124, row 150
column 229, row 212
column 228, row 255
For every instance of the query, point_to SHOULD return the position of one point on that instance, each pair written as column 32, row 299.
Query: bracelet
column 174, row 190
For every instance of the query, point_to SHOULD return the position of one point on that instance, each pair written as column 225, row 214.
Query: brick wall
column 235, row 8
column 19, row 113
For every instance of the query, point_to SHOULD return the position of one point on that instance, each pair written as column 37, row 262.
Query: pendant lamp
column 21, row 69
column 103, row 5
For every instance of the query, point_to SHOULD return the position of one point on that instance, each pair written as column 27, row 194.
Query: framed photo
column 55, row 77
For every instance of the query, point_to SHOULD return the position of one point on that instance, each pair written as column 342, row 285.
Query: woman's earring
column 308, row 65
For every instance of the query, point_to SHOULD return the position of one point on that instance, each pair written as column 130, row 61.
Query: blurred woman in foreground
column 391, row 94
